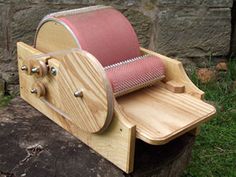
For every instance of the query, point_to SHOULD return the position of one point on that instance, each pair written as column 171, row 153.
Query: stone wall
column 183, row 28
column 233, row 37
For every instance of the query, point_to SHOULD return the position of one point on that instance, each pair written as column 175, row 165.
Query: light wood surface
column 94, row 110
column 174, row 86
column 79, row 70
column 175, row 71
column 40, row 90
column 161, row 115
column 53, row 36
column 116, row 143
column 153, row 114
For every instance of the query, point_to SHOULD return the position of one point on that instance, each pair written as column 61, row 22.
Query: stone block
column 192, row 32
column 2, row 87
column 5, row 40
column 81, row 2
column 1, row 54
column 25, row 21
column 13, row 89
column 1, row 25
column 142, row 25
column 4, row 18
column 11, row 77
column 233, row 40
column 195, row 3
column 9, row 72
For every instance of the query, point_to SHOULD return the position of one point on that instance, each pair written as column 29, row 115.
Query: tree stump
column 32, row 145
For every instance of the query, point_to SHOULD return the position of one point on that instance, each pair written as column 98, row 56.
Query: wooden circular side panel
column 78, row 70
column 93, row 111
column 54, row 36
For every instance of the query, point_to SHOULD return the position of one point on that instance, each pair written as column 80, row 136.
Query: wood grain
column 175, row 71
column 161, row 115
column 154, row 114
column 53, row 36
column 116, row 143
column 79, row 70
column 174, row 86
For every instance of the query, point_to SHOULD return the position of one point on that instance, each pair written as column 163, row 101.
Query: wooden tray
column 161, row 115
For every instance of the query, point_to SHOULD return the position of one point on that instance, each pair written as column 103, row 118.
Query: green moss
column 5, row 100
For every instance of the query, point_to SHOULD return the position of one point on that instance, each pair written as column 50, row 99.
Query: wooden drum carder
column 88, row 74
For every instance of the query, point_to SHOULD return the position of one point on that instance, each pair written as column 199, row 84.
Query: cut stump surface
column 32, row 145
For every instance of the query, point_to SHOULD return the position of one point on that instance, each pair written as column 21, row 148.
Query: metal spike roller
column 134, row 74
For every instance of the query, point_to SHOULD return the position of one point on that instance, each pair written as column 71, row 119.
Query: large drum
column 102, row 31
column 108, row 35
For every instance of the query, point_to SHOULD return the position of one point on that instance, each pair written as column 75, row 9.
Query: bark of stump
column 32, row 145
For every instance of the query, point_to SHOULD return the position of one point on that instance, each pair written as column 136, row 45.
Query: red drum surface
column 105, row 33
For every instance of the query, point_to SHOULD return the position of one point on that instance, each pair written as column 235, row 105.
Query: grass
column 214, row 153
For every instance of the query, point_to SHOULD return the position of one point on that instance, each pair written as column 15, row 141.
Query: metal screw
column 35, row 70
column 24, row 68
column 34, row 90
column 53, row 71
column 79, row 93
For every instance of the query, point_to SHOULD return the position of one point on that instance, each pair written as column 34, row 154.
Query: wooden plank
column 161, row 115
column 116, row 143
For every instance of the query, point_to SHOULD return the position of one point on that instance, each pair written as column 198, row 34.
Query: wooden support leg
column 195, row 131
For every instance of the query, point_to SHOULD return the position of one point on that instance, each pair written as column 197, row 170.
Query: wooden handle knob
column 26, row 66
column 39, row 68
column 38, row 89
column 36, row 67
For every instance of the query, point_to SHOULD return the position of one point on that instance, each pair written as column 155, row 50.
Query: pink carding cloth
column 106, row 34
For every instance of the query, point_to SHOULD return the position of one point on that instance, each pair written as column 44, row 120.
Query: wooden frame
column 156, row 114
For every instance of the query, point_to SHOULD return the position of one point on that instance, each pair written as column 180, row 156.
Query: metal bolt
column 34, row 90
column 79, row 93
column 35, row 70
column 53, row 71
column 24, row 68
